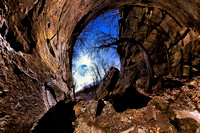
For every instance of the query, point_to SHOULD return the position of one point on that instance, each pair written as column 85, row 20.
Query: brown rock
column 41, row 35
column 108, row 83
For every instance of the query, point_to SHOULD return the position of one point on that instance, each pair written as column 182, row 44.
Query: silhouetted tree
column 93, row 37
column 98, row 42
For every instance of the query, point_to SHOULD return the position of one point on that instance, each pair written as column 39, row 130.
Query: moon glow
column 83, row 70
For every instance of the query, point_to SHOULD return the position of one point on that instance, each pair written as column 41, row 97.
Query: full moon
column 83, row 70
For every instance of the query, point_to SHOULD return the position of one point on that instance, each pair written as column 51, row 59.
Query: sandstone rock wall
column 41, row 35
column 172, row 47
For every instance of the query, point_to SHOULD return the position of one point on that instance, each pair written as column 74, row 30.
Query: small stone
column 193, row 83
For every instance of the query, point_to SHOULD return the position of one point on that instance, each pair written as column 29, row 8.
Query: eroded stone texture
column 41, row 35
column 48, row 25
column 21, row 93
column 172, row 47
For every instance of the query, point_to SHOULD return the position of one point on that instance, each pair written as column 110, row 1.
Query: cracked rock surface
column 36, row 43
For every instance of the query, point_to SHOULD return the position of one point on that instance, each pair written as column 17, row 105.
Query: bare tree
column 93, row 37
column 99, row 42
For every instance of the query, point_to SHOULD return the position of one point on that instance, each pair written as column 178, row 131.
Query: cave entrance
column 92, row 56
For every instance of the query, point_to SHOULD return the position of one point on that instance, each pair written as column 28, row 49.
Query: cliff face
column 37, row 38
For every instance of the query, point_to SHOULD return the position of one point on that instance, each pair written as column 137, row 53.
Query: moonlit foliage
column 89, row 63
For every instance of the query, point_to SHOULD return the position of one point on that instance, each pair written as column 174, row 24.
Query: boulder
column 108, row 83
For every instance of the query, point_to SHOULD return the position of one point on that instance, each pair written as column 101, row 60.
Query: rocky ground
column 173, row 106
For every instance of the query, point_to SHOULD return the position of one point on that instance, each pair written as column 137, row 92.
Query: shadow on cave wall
column 57, row 120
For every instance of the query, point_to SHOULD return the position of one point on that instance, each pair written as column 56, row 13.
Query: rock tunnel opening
column 168, row 30
column 92, row 56
column 136, row 59
column 163, row 38
column 157, row 38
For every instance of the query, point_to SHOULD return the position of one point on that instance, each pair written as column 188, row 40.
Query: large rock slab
column 108, row 83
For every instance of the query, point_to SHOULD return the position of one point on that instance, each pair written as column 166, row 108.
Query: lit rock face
column 108, row 83
column 172, row 47
column 35, row 69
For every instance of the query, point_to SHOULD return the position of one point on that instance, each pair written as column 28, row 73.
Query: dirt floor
column 173, row 106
